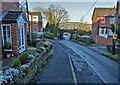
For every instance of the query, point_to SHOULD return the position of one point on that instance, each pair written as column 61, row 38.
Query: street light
column 115, row 26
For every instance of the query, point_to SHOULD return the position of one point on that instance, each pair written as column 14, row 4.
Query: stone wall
column 35, row 67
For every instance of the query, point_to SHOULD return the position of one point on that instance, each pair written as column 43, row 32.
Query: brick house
column 102, row 19
column 36, row 22
column 13, row 28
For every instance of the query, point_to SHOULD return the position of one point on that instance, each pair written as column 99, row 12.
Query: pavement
column 105, row 68
column 58, row 69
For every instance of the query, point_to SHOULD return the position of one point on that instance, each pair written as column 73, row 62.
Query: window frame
column 6, row 36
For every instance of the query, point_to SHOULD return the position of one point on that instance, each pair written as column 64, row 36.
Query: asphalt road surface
column 104, row 67
column 59, row 68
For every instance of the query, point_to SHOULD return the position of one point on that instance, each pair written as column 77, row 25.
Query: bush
column 48, row 35
column 115, row 57
column 109, row 48
column 24, row 57
column 34, row 42
column 39, row 50
column 46, row 44
column 34, row 35
column 16, row 63
column 38, row 44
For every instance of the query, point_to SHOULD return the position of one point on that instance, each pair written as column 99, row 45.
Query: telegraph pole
column 116, row 24
column 29, row 29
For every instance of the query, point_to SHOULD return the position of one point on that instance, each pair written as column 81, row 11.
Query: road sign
column 115, row 36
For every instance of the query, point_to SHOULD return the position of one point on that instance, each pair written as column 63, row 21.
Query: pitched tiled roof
column 104, row 12
column 12, row 16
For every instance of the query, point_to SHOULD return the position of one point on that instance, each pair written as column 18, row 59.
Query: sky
column 76, row 8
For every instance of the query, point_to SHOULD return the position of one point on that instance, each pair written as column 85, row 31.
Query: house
column 13, row 28
column 102, row 19
column 14, row 32
column 36, row 21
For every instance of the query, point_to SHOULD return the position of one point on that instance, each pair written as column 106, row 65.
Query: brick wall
column 14, row 34
column 103, row 41
column 38, row 25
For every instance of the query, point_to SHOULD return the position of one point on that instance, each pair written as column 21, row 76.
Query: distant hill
column 77, row 25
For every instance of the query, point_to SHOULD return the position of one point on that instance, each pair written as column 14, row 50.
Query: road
column 104, row 67
column 57, row 70
column 66, row 66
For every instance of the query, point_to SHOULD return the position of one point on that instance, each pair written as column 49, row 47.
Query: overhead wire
column 89, row 10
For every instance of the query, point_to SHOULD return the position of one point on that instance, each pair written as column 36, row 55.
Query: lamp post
column 115, row 25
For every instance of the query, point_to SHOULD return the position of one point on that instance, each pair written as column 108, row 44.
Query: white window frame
column 112, row 20
column 6, row 34
column 104, row 32
column 21, row 49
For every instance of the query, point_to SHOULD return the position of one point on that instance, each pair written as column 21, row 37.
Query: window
column 103, row 20
column 103, row 32
column 112, row 20
column 34, row 17
column 21, row 38
column 6, row 36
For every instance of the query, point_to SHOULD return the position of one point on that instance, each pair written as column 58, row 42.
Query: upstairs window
column 112, row 20
column 103, row 20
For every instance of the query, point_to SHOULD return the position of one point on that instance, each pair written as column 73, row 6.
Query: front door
column 21, row 38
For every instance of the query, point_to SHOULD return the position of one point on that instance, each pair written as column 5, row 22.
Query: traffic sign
column 115, row 36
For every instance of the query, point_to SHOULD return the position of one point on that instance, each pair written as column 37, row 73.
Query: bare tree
column 38, row 9
column 56, row 15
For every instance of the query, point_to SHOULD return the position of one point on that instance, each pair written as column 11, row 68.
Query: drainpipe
column 0, row 50
column 30, row 37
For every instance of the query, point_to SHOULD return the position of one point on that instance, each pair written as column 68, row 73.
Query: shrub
column 24, row 57
column 25, row 68
column 16, row 63
column 38, row 44
column 115, row 57
column 39, row 50
column 109, row 48
column 34, row 42
column 46, row 44
column 48, row 35
column 117, row 50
